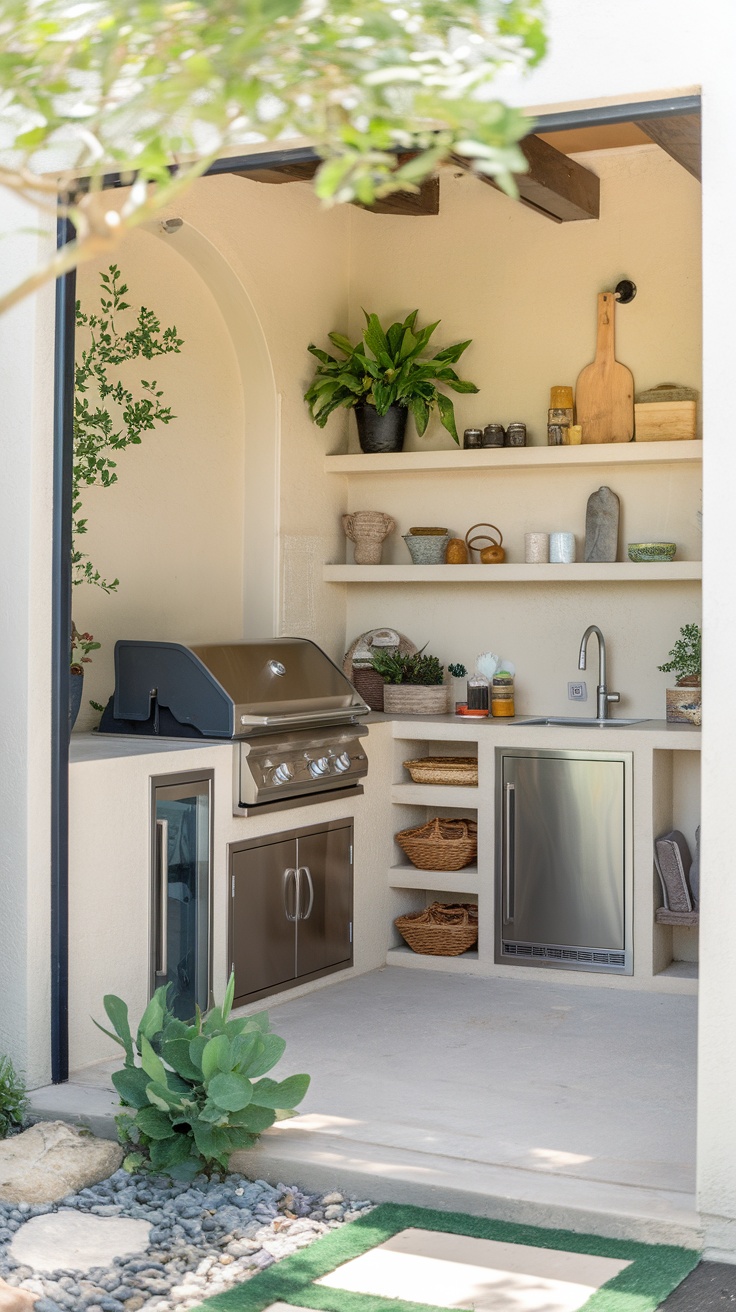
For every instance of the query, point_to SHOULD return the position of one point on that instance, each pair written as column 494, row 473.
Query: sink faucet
column 603, row 695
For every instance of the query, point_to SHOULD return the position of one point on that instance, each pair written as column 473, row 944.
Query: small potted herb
column 684, row 700
column 458, row 672
column 384, row 376
column 413, row 684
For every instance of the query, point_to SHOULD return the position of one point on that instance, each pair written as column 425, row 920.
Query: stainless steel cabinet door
column 563, row 858
column 324, row 869
column 263, row 924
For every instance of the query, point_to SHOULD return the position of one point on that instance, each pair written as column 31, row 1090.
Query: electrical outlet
column 577, row 692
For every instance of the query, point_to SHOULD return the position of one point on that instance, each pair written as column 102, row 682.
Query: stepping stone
column 52, row 1160
column 15, row 1300
column 77, row 1241
column 458, row 1271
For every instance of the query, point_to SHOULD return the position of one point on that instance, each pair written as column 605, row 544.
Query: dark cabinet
column 291, row 908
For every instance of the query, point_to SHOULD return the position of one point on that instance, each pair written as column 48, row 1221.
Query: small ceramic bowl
column 652, row 551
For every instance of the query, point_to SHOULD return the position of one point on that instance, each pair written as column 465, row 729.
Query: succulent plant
column 397, row 667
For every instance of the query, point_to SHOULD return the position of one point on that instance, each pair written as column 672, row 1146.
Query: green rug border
column 655, row 1270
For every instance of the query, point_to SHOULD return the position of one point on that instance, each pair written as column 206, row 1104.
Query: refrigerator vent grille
column 591, row 956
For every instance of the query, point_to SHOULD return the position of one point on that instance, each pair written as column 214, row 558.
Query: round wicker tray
column 460, row 771
column 441, row 930
column 440, row 844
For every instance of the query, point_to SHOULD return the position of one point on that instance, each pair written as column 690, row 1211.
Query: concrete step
column 89, row 1106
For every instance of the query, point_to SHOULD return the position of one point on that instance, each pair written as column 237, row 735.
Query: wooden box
column 665, row 421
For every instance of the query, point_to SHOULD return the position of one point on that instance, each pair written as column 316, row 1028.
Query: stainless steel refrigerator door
column 563, row 865
column 180, row 903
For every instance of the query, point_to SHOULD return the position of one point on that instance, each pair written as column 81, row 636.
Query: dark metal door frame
column 62, row 537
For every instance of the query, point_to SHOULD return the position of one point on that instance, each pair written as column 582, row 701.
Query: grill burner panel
column 290, row 765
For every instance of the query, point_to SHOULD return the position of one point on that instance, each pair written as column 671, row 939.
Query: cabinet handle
column 162, row 836
column 509, row 852
column 286, row 881
column 308, row 874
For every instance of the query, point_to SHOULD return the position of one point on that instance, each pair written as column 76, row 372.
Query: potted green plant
column 384, row 376
column 413, row 684
column 684, row 701
column 82, row 645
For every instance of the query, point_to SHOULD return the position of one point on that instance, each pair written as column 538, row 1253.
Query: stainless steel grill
column 291, row 712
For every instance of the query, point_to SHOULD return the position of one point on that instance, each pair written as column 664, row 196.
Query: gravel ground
column 206, row 1236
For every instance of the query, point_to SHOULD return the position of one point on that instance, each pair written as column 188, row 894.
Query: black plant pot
column 76, row 684
column 381, row 432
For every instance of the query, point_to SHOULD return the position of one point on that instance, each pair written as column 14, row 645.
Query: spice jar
column 515, row 435
column 472, row 438
column 493, row 435
column 559, row 416
column 478, row 698
column 502, row 695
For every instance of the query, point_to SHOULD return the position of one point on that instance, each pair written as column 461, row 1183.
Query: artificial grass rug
column 654, row 1270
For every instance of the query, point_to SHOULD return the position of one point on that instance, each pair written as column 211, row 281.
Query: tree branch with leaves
column 156, row 91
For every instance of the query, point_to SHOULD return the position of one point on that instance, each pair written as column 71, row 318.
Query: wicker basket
column 440, row 844
column 459, row 771
column 440, row 930
column 416, row 699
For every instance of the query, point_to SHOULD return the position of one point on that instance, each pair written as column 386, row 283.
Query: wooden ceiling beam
column 679, row 136
column 422, row 202
column 555, row 186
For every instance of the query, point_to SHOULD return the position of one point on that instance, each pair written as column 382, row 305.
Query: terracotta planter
column 416, row 699
column 684, row 704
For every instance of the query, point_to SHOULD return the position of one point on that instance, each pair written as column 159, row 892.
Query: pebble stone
column 206, row 1236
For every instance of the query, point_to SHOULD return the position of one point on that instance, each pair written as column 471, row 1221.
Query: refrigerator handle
column 162, row 833
column 308, row 875
column 510, row 852
column 286, row 882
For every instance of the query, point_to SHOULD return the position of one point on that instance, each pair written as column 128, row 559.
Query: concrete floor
column 544, row 1103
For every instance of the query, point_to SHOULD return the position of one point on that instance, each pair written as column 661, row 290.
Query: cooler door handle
column 304, row 870
column 287, row 878
column 162, row 874
column 510, row 854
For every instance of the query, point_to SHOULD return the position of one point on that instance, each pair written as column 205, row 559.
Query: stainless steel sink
column 577, row 721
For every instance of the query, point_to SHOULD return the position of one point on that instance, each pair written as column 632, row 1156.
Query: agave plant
column 194, row 1089
column 388, row 368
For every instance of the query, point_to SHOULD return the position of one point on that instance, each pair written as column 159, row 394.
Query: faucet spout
column 604, row 697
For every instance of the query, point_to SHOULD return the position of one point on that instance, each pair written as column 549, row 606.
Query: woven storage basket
column 416, row 699
column 461, row 771
column 440, row 844
column 441, row 930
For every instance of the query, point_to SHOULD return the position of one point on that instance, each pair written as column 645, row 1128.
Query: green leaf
column 216, row 1056
column 117, row 1013
column 287, row 1093
column 151, row 1062
column 252, row 1118
column 447, row 415
column 133, row 1162
column 227, row 1002
column 161, row 1096
column 131, row 1084
column 169, row 1152
column 211, row 1140
column 152, row 1019
column 342, row 343
column 374, row 336
column 451, row 354
column 229, row 1091
column 176, row 1053
column 272, row 1050
column 153, row 1122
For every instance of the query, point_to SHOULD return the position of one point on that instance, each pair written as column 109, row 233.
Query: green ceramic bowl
column 652, row 551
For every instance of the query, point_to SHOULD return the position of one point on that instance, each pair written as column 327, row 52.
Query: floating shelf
column 622, row 571
column 435, row 795
column 525, row 457
column 448, row 881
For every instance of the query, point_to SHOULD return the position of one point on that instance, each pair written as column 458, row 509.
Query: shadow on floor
column 711, row 1287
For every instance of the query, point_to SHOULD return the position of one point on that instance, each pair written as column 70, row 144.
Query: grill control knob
column 342, row 762
column 283, row 773
column 319, row 767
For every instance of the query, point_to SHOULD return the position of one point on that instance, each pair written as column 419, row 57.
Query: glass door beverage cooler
column 181, row 843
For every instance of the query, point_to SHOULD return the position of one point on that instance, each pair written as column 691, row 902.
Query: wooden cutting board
column 604, row 396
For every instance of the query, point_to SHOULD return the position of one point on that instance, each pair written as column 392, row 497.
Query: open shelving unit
column 620, row 572
column 441, row 881
column 524, row 457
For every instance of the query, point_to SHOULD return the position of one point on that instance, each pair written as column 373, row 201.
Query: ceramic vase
column 368, row 529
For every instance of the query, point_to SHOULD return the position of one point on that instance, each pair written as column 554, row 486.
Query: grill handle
column 162, row 837
column 304, row 870
column 287, row 877
column 343, row 714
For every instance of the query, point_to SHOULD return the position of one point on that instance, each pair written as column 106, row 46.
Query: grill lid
column 233, row 689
